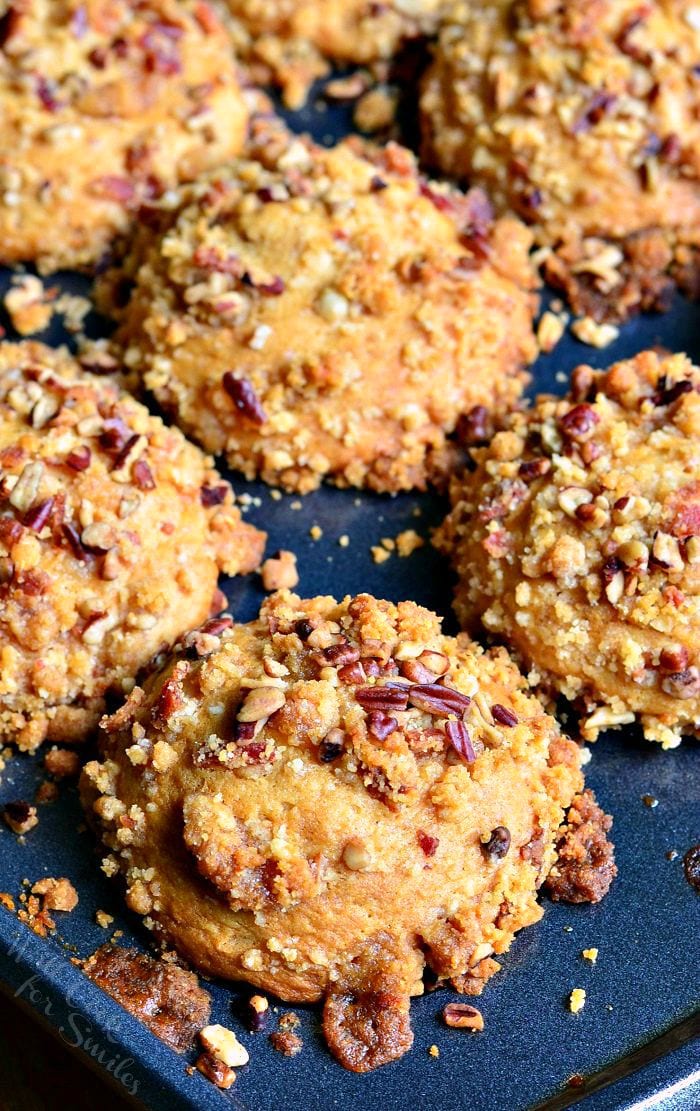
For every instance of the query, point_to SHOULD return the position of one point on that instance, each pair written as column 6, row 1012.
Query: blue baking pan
column 636, row 1043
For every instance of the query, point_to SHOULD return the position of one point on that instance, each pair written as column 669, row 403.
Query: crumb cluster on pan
column 318, row 313
column 113, row 530
column 584, row 118
column 326, row 800
column 293, row 39
column 577, row 538
column 105, row 103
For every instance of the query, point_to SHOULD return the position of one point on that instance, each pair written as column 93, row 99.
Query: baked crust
column 328, row 799
column 113, row 529
column 584, row 119
column 328, row 314
column 576, row 539
column 105, row 104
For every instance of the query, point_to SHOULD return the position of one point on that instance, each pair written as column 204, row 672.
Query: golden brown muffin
column 329, row 314
column 113, row 529
column 584, row 118
column 105, row 103
column 577, row 540
column 327, row 799
column 292, row 38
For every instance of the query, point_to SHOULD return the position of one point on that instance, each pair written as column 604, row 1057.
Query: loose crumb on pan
column 167, row 998
column 577, row 1000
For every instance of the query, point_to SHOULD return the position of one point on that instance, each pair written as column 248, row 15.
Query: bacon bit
column 458, row 736
column 213, row 495
column 579, row 422
column 113, row 188
column 435, row 699
column 498, row 843
column 244, row 398
column 504, row 716
column 378, row 184
column 381, row 725
column 427, row 843
column 143, row 475
column 38, row 516
column 98, row 58
column 382, row 698
column 79, row 459
column 442, row 201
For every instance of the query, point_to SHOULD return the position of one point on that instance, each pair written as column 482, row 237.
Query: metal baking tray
column 636, row 1043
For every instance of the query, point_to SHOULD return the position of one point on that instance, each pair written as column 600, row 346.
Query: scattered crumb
column 462, row 1016
column 280, row 572
column 651, row 801
column 289, row 1021
column 577, row 1000
column 568, row 929
column 216, row 1071
column 295, row 505
column 379, row 554
column 257, row 1014
column 576, row 1081
column 388, row 543
column 408, row 542
column 103, row 919
column 57, row 894
column 276, row 495
column 286, row 1043
column 73, row 308
column 550, row 330
column 347, row 88
column 315, row 532
column 344, row 540
column 595, row 335
column 46, row 792
column 62, row 763
column 376, row 110
column 20, row 816
column 672, row 854
column 434, row 1051
column 28, row 305
column 7, row 901
column 590, row 955
column 223, row 1044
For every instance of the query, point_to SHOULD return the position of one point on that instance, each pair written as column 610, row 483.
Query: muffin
column 323, row 313
column 105, row 104
column 113, row 530
column 327, row 800
column 584, row 118
column 577, row 540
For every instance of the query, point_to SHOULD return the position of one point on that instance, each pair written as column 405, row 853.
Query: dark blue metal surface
column 641, row 1015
